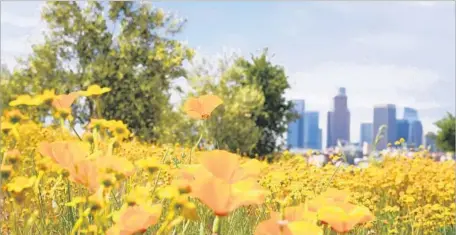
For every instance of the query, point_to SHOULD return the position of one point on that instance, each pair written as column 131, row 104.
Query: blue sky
column 382, row 52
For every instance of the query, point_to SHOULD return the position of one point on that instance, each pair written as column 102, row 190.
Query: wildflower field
column 54, row 181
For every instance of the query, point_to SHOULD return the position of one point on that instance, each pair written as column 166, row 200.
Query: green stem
column 194, row 147
column 69, row 199
column 185, row 226
column 98, row 107
column 216, row 226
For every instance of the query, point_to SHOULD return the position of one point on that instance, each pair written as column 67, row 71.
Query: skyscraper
column 312, row 132
column 429, row 141
column 338, row 120
column 385, row 115
column 366, row 133
column 416, row 134
column 402, row 129
column 410, row 114
column 295, row 133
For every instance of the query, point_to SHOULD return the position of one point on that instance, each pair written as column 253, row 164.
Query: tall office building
column 410, row 114
column 338, row 126
column 312, row 131
column 429, row 141
column 366, row 133
column 402, row 129
column 416, row 134
column 295, row 133
column 385, row 115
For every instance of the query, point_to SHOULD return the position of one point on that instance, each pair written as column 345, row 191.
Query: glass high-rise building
column 402, row 129
column 295, row 133
column 410, row 114
column 385, row 115
column 312, row 131
column 338, row 125
column 416, row 134
column 366, row 133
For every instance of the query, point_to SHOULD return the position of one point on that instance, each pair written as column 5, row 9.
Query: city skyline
column 382, row 52
column 409, row 127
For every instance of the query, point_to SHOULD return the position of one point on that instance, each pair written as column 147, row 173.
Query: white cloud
column 387, row 40
column 18, row 20
column 425, row 3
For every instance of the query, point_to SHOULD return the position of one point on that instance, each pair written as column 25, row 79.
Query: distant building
column 402, row 129
column 338, row 120
column 415, row 134
column 429, row 141
column 312, row 131
column 367, row 133
column 295, row 133
column 385, row 115
column 410, row 114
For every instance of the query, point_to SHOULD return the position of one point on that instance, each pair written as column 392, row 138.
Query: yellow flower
column 138, row 196
column 6, row 127
column 47, row 96
column 97, row 200
column 97, row 124
column 20, row 183
column 26, row 100
column 14, row 116
column 5, row 171
column 119, row 129
column 94, row 90
column 150, row 164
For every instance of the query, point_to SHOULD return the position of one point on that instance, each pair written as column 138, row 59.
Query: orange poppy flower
column 297, row 220
column 343, row 219
column 331, row 196
column 71, row 156
column 64, row 153
column 222, row 197
column 135, row 219
column 226, row 166
column 201, row 107
column 221, row 164
column 85, row 172
column 64, row 101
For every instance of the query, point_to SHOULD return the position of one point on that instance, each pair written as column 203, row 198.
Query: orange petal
column 214, row 193
column 221, row 164
column 268, row 227
column 193, row 108
column 209, row 103
column 64, row 101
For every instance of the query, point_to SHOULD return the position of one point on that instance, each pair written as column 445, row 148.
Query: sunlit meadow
column 106, row 182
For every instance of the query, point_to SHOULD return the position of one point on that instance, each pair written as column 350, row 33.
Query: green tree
column 127, row 46
column 5, row 93
column 445, row 139
column 276, row 112
column 230, row 127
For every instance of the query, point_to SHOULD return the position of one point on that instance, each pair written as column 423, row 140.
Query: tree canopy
column 445, row 139
column 275, row 114
column 126, row 46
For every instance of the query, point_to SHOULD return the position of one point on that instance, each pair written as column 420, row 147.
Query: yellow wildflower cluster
column 107, row 182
